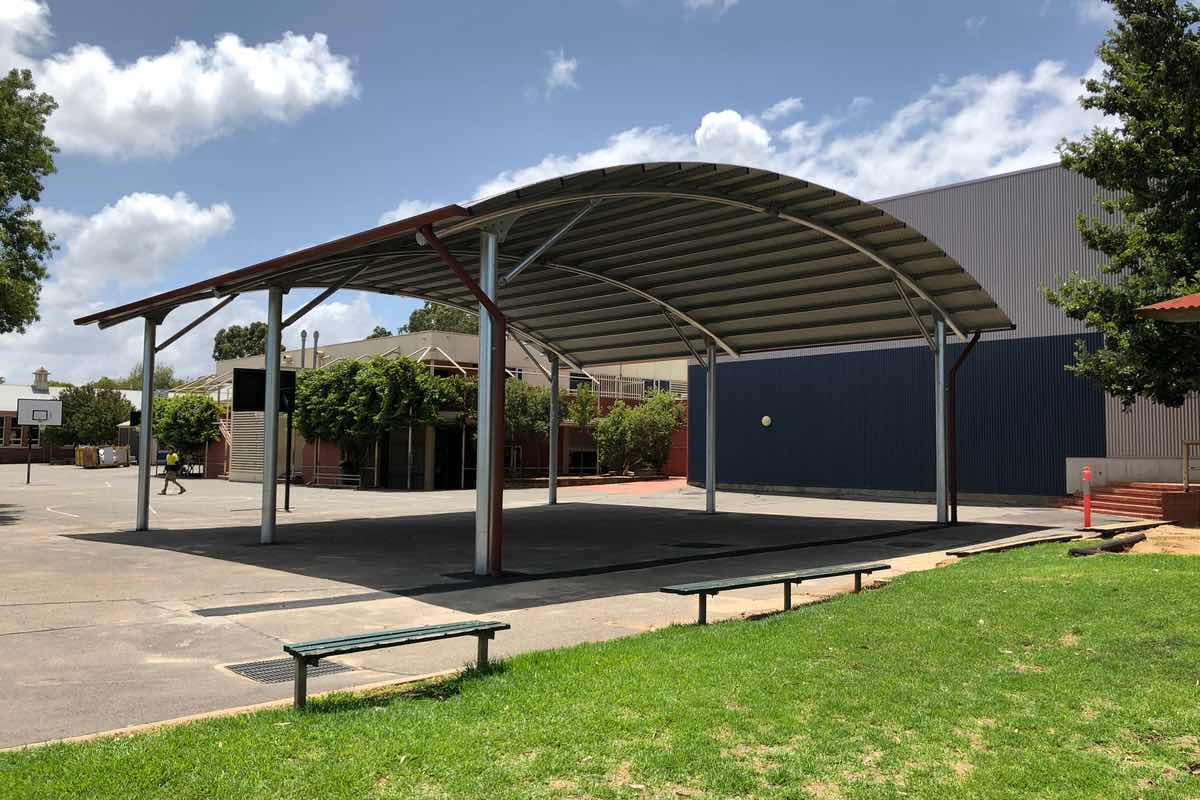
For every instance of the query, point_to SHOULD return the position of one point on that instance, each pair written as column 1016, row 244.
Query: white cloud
column 974, row 24
column 717, row 7
column 785, row 107
column 1096, row 12
column 406, row 209
column 161, row 104
column 977, row 125
column 128, row 244
column 561, row 75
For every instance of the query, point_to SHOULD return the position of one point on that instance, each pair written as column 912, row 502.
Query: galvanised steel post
column 552, row 483
column 710, row 429
column 146, row 431
column 939, row 416
column 485, row 461
column 271, row 414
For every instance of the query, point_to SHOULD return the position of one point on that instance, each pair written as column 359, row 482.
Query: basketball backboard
column 39, row 411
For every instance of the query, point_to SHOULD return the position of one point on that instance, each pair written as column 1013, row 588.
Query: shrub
column 187, row 422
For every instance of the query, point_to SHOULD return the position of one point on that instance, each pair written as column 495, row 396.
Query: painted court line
column 54, row 510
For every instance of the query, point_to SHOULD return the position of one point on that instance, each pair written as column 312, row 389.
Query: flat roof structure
column 626, row 263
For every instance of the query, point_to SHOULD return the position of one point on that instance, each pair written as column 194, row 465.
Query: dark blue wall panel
column 864, row 420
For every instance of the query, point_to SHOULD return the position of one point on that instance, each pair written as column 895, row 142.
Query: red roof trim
column 1188, row 301
column 286, row 261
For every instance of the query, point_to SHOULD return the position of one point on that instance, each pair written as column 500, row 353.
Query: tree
column 91, row 415
column 187, row 422
column 238, row 341
column 526, row 410
column 582, row 409
column 355, row 402
column 164, row 378
column 1150, row 231
column 26, row 157
column 435, row 317
column 630, row 437
column 379, row 332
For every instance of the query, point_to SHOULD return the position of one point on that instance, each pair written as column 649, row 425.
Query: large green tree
column 164, row 378
column 240, row 341
column 355, row 402
column 526, row 410
column 26, row 157
column 629, row 437
column 187, row 422
column 91, row 415
column 379, row 332
column 434, row 317
column 1150, row 232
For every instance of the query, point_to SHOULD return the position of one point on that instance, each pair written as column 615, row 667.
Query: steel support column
column 485, row 461
column 952, row 424
column 146, row 430
column 552, row 482
column 939, row 417
column 710, row 430
column 271, row 413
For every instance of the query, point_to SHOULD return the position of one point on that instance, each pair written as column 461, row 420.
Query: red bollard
column 1087, row 497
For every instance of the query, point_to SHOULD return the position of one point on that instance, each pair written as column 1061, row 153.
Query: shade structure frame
column 758, row 262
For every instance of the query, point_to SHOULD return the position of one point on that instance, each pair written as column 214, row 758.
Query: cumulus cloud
column 970, row 127
column 717, row 7
column 561, row 74
column 785, row 107
column 406, row 209
column 161, row 104
column 128, row 244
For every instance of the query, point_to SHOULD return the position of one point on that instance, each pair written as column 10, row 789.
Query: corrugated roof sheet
column 1179, row 309
column 759, row 261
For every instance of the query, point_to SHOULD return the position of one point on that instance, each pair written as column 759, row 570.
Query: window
column 650, row 385
column 579, row 379
column 14, row 433
column 35, row 435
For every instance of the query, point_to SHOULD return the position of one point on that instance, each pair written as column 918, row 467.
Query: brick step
column 1119, row 509
column 1128, row 491
column 1161, row 487
column 1122, row 499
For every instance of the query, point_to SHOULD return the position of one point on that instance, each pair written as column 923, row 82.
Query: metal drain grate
column 283, row 670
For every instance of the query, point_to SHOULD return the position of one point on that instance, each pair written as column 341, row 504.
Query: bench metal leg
column 858, row 581
column 481, row 660
column 300, row 696
column 787, row 596
column 703, row 609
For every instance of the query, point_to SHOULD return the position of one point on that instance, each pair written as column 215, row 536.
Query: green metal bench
column 706, row 589
column 306, row 653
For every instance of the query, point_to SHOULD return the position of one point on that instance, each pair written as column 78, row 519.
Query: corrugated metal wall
column 864, row 420
column 1150, row 431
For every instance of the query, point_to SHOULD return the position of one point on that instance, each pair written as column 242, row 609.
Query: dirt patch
column 1171, row 540
column 821, row 790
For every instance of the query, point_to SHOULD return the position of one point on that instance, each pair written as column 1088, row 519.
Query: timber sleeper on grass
column 310, row 653
column 705, row 589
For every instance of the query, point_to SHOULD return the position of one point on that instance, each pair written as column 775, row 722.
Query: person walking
column 171, row 475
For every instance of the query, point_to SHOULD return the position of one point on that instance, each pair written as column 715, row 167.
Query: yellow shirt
column 172, row 459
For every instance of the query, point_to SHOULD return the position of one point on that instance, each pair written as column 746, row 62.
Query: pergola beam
column 186, row 328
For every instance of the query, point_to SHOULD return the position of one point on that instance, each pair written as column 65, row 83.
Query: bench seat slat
column 390, row 638
column 723, row 584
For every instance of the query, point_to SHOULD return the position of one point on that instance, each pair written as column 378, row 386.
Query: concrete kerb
column 145, row 727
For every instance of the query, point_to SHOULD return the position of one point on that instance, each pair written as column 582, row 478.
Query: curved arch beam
column 706, row 197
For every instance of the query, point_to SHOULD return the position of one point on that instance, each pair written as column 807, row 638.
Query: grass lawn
column 1021, row 675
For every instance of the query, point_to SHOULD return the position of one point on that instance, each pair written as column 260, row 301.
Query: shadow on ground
column 553, row 554
column 9, row 513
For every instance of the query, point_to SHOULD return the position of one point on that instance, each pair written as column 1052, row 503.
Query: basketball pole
column 28, row 456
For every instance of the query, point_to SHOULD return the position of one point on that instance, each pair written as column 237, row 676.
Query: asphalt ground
column 102, row 627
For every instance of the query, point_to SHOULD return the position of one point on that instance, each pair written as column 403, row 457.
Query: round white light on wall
column 766, row 421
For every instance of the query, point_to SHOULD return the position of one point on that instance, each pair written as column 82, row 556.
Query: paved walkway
column 102, row 627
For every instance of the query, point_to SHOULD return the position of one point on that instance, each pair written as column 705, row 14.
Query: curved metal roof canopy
column 756, row 260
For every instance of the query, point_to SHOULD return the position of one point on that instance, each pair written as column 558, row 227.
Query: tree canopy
column 26, row 157
column 354, row 402
column 434, row 317
column 240, row 341
column 187, row 422
column 632, row 436
column 379, row 332
column 526, row 410
column 164, row 378
column 91, row 415
column 583, row 407
column 1150, row 231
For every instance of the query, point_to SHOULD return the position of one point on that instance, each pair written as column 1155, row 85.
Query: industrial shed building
column 860, row 417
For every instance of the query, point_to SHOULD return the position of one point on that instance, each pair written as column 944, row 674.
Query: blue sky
column 187, row 151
